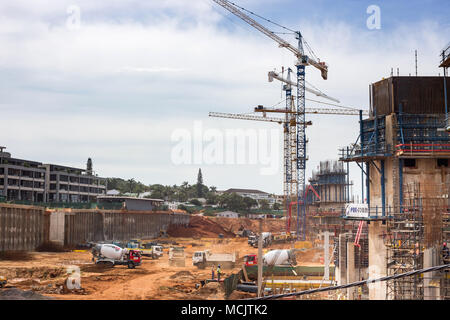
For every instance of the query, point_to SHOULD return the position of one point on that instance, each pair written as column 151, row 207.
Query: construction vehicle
column 243, row 233
column 111, row 255
column 250, row 260
column 133, row 245
column 177, row 257
column 147, row 249
column 203, row 259
column 282, row 237
column 273, row 257
column 151, row 250
column 266, row 237
column 252, row 239
column 3, row 281
column 280, row 257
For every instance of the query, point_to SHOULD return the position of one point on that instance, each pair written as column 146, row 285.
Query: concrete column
column 56, row 232
column 342, row 260
column 326, row 259
column 260, row 256
column 431, row 288
column 351, row 272
column 377, row 260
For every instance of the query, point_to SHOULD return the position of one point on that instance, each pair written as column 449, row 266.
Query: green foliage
column 212, row 198
column 264, row 204
column 195, row 202
column 125, row 186
column 276, row 206
column 199, row 184
column 249, row 203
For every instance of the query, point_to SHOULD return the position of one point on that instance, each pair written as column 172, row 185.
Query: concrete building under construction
column 331, row 182
column 403, row 151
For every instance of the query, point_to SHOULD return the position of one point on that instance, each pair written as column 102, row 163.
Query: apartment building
column 255, row 194
column 27, row 180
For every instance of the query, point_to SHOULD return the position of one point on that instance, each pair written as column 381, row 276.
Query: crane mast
column 297, row 127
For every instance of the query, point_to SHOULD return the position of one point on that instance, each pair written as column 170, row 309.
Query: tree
column 249, row 203
column 276, row 206
column 131, row 184
column 211, row 198
column 199, row 184
column 264, row 204
column 89, row 170
column 195, row 202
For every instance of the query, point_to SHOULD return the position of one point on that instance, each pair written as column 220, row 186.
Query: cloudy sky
column 130, row 83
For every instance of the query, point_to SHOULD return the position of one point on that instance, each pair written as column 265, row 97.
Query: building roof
column 227, row 212
column 120, row 198
column 112, row 192
column 9, row 159
column 244, row 191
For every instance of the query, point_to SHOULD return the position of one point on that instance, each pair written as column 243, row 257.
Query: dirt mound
column 182, row 275
column 50, row 247
column 199, row 227
column 238, row 295
column 16, row 294
column 42, row 273
column 16, row 256
column 236, row 224
column 212, row 291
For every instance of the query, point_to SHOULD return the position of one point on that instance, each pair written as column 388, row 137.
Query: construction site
column 389, row 244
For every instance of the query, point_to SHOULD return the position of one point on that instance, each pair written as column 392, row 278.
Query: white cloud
column 117, row 87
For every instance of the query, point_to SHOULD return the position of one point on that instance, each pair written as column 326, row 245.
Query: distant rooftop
column 244, row 191
column 121, row 198
column 53, row 167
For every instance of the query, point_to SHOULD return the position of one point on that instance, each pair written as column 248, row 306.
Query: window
column 442, row 162
column 409, row 163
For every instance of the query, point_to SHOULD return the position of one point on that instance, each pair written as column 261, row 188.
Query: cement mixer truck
column 280, row 257
column 111, row 255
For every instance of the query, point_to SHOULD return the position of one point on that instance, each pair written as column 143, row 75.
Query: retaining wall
column 103, row 225
column 22, row 227
column 26, row 227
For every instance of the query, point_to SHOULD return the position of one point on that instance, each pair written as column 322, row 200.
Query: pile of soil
column 236, row 224
column 212, row 291
column 16, row 294
column 200, row 227
column 182, row 275
column 51, row 247
column 41, row 273
column 238, row 295
column 16, row 256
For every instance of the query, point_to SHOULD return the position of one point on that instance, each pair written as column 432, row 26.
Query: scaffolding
column 332, row 184
column 422, row 223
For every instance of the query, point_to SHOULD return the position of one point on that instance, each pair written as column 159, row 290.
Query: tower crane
column 298, row 138
column 286, row 147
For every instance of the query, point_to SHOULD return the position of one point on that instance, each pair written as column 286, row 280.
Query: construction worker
column 218, row 273
column 212, row 272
